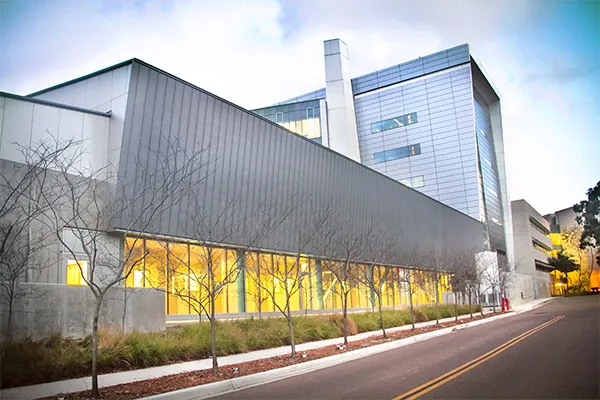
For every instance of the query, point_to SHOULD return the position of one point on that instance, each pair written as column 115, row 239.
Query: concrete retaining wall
column 69, row 309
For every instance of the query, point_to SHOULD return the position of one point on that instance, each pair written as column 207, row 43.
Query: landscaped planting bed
column 170, row 383
column 28, row 362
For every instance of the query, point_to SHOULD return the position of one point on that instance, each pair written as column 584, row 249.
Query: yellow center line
column 447, row 377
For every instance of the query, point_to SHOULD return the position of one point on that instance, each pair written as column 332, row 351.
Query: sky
column 543, row 57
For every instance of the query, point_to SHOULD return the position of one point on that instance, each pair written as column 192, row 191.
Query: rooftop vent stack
column 341, row 118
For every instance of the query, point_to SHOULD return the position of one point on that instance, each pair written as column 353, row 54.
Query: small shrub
column 308, row 329
column 338, row 321
column 367, row 321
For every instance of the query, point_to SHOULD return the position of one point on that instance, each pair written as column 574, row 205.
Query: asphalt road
column 558, row 361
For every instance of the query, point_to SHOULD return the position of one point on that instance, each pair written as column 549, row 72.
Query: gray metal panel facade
column 259, row 163
column 444, row 131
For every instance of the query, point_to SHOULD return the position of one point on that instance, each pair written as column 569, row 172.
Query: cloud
column 560, row 70
column 257, row 52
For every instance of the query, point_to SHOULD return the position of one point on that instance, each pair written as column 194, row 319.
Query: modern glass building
column 433, row 124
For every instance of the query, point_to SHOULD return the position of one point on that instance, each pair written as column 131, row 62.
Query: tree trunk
column 479, row 300
column 470, row 303
column 437, row 302
column 456, row 306
column 259, row 300
column 410, row 302
column 95, row 389
column 381, row 317
column 291, row 330
column 494, row 300
column 213, row 337
column 124, row 309
column 345, row 313
column 10, row 316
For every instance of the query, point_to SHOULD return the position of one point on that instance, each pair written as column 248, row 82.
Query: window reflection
column 394, row 123
column 397, row 153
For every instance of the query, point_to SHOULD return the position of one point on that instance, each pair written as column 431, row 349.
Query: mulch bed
column 169, row 383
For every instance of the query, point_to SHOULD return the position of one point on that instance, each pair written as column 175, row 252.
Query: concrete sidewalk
column 117, row 378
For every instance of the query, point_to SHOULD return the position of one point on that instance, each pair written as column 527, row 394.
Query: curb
column 51, row 389
column 248, row 381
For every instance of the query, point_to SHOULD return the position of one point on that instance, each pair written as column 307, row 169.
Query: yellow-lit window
column 75, row 269
column 138, row 278
column 134, row 266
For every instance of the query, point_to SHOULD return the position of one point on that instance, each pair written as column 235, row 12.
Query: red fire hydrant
column 505, row 304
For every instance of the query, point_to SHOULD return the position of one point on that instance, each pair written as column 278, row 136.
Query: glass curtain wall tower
column 432, row 124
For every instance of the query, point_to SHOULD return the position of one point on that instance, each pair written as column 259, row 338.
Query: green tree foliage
column 563, row 263
column 588, row 215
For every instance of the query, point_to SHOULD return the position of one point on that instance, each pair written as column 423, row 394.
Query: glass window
column 156, row 263
column 279, row 118
column 496, row 221
column 397, row 153
column 418, row 181
column 178, row 283
column 394, row 123
column 376, row 127
column 134, row 265
column 379, row 157
column 416, row 149
column 76, row 270
column 310, row 112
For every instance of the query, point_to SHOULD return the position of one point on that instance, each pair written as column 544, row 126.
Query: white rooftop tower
column 341, row 118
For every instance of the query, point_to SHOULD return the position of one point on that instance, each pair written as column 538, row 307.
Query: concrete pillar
column 341, row 118
column 319, row 271
column 241, row 281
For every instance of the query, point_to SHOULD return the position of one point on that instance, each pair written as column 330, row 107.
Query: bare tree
column 201, row 279
column 438, row 261
column 21, row 188
column 286, row 271
column 86, row 203
column 286, row 274
column 373, row 276
column 342, row 248
column 408, row 277
column 506, row 275
column 254, row 271
column 376, row 279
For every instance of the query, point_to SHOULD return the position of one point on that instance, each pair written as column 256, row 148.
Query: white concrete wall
column 524, row 288
column 69, row 309
column 104, row 92
column 24, row 123
column 529, row 283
